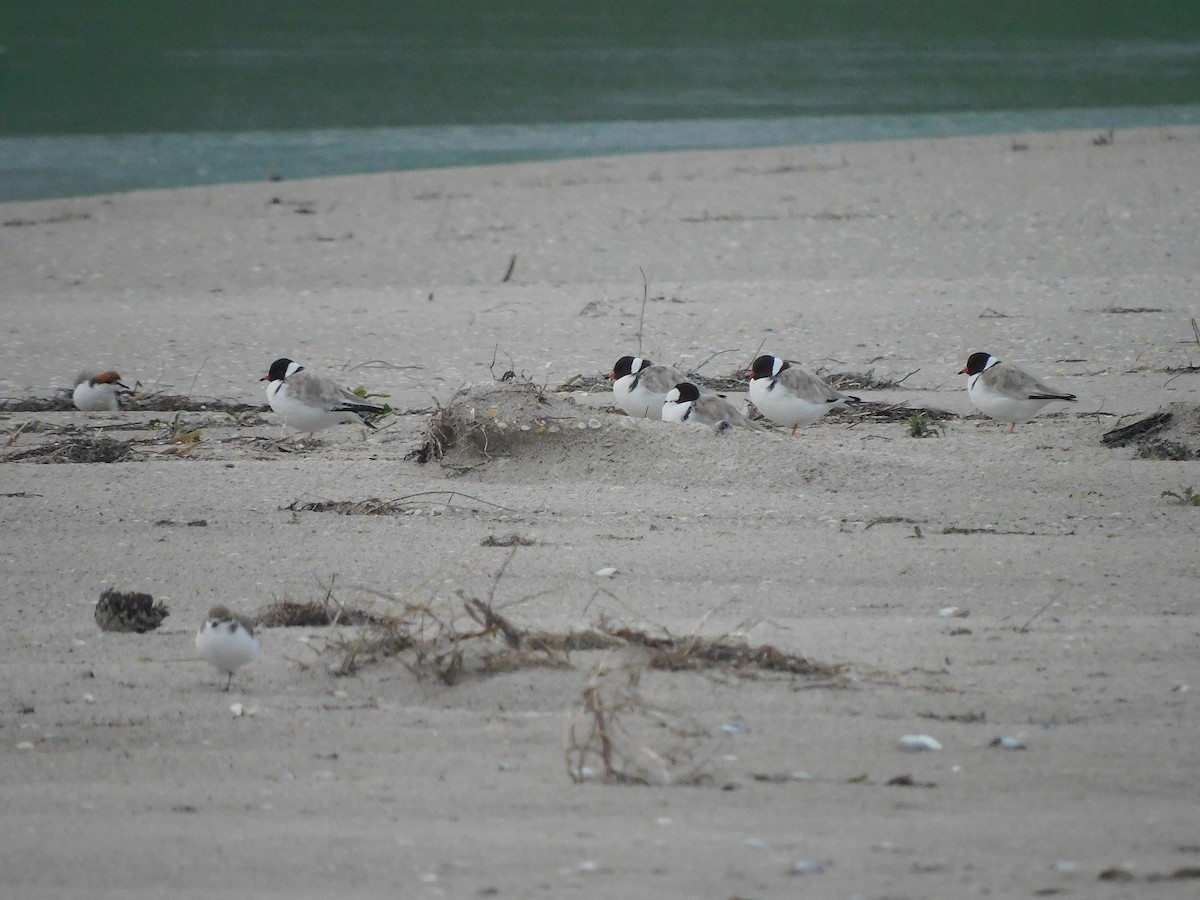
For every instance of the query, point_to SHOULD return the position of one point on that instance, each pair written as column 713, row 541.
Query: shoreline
column 96, row 164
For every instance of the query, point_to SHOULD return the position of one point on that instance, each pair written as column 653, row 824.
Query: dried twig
column 642, row 317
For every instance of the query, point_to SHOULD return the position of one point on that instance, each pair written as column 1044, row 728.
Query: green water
column 334, row 77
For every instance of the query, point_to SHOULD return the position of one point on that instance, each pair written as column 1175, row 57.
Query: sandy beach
column 1027, row 601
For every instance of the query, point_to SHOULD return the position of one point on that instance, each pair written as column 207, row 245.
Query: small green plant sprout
column 1187, row 496
column 922, row 426
column 364, row 394
column 174, row 426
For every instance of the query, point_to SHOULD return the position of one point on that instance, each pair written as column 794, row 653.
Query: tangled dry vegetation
column 85, row 449
column 449, row 638
column 616, row 734
column 498, row 418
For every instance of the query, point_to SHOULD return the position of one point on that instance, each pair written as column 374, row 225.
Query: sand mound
column 505, row 418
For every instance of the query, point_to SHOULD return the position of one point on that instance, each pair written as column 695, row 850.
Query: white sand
column 842, row 544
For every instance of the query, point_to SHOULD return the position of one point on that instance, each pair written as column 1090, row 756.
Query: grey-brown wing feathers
column 658, row 379
column 321, row 391
column 809, row 386
column 1013, row 381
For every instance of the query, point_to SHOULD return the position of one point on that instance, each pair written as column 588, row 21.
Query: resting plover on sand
column 1006, row 392
column 640, row 386
column 310, row 402
column 792, row 395
column 97, row 393
column 686, row 406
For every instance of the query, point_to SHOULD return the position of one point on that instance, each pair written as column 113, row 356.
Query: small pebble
column 607, row 572
column 806, row 867
column 1007, row 743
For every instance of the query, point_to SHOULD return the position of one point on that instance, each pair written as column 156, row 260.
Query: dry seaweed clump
column 1171, row 434
column 293, row 614
column 503, row 418
column 137, row 612
column 311, row 614
column 78, row 450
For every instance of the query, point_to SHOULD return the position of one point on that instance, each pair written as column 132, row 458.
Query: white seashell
column 594, row 423
column 915, row 743
column 607, row 572
column 953, row 612
column 238, row 710
column 88, row 698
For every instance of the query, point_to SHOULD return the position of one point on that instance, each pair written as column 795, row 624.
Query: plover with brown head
column 98, row 393
column 227, row 641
